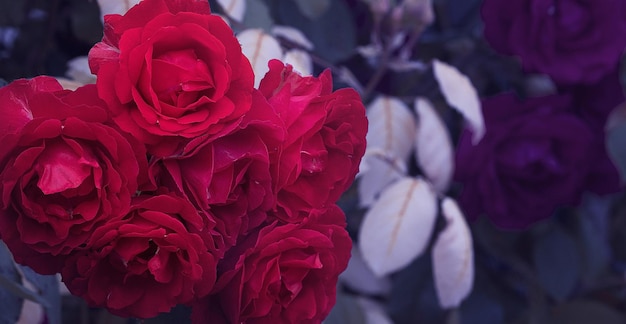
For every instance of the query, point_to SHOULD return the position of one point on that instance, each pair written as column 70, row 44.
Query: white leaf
column 434, row 151
column 78, row 70
column 234, row 9
column 360, row 278
column 259, row 48
column 453, row 257
column 374, row 312
column 391, row 127
column 31, row 312
column 381, row 171
column 461, row 95
column 397, row 227
column 293, row 35
column 300, row 60
column 120, row 7
column 68, row 84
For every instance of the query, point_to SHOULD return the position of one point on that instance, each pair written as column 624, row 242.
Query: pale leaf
column 68, row 84
column 78, row 70
column 360, row 278
column 397, row 228
column 234, row 9
column 293, row 35
column 453, row 257
column 391, row 127
column 434, row 151
column 374, row 312
column 120, row 7
column 460, row 95
column 259, row 48
column 380, row 171
column 31, row 312
column 300, row 60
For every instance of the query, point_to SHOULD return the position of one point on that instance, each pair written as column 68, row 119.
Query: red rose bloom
column 63, row 171
column 280, row 274
column 325, row 142
column 148, row 262
column 171, row 71
column 229, row 177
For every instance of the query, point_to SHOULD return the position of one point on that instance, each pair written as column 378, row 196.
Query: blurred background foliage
column 569, row 269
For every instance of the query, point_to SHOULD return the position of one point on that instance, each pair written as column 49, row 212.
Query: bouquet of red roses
column 174, row 181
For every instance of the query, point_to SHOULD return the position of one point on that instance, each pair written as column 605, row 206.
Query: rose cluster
column 173, row 180
column 544, row 152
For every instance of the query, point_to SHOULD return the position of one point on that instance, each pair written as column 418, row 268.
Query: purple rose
column 534, row 157
column 573, row 41
column 593, row 103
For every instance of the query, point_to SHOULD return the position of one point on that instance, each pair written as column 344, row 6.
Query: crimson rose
column 280, row 274
column 63, row 170
column 325, row 139
column 229, row 177
column 171, row 71
column 534, row 157
column 573, row 41
column 148, row 262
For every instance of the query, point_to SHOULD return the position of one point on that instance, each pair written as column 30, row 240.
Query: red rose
column 63, row 171
column 325, row 142
column 229, row 177
column 280, row 274
column 171, row 71
column 148, row 262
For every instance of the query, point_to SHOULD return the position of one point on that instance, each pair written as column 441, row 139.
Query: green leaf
column 333, row 34
column 313, row 9
column 346, row 311
column 585, row 312
column 557, row 262
column 616, row 139
column 257, row 15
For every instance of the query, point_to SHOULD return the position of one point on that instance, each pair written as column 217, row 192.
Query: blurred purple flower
column 534, row 157
column 593, row 103
column 572, row 41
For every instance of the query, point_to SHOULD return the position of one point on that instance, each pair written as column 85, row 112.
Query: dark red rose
column 63, row 170
column 229, row 177
column 534, row 157
column 325, row 139
column 280, row 274
column 148, row 262
column 573, row 41
column 171, row 71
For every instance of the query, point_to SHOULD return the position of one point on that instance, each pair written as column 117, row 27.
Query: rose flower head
column 572, row 41
column 534, row 157
column 64, row 170
column 156, row 257
column 280, row 274
column 229, row 177
column 325, row 139
column 170, row 71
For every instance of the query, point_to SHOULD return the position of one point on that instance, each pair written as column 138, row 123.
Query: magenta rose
column 64, row 171
column 280, row 274
column 573, row 41
column 534, row 158
column 229, row 177
column 325, row 139
column 170, row 71
column 158, row 256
